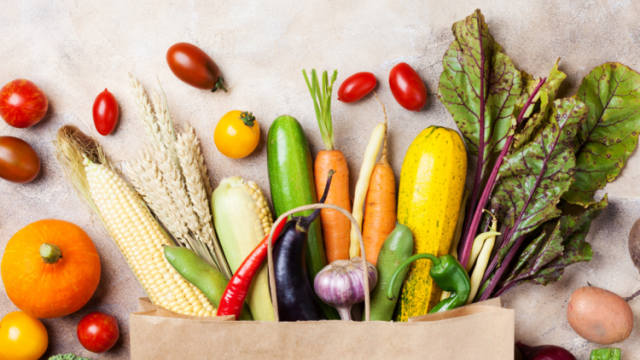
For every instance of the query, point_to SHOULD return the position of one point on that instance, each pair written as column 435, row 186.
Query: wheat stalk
column 201, row 165
column 144, row 108
column 186, row 147
column 172, row 178
column 147, row 180
column 165, row 125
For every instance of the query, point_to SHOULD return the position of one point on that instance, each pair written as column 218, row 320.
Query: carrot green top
column 322, row 102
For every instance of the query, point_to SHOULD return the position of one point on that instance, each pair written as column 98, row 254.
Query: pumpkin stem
column 50, row 253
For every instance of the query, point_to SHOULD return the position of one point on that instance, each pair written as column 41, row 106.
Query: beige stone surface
column 75, row 49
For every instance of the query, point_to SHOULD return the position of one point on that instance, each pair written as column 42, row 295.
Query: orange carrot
column 335, row 226
column 380, row 206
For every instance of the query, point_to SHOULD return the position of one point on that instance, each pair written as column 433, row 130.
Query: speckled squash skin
column 431, row 187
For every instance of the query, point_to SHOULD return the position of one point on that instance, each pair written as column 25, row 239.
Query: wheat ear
column 186, row 146
column 147, row 180
column 146, row 112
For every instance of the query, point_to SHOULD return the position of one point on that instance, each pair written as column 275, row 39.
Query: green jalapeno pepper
column 448, row 274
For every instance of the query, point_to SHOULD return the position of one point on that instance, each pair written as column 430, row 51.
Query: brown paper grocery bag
column 475, row 332
column 483, row 331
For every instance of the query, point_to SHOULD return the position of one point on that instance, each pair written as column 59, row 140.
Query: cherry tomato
column 356, row 86
column 407, row 87
column 19, row 163
column 105, row 112
column 98, row 332
column 237, row 134
column 193, row 66
column 22, row 337
column 22, row 103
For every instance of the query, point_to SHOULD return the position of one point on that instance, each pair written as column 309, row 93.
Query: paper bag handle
column 272, row 279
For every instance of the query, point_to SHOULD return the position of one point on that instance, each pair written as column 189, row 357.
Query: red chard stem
column 491, row 183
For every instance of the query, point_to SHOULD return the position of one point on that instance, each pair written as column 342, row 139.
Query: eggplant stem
column 305, row 222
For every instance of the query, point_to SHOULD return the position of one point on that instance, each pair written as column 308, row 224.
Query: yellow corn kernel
column 140, row 239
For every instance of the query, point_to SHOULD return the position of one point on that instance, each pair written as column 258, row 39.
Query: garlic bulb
column 340, row 284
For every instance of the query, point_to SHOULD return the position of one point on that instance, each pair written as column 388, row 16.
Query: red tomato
column 193, row 66
column 22, row 103
column 105, row 112
column 98, row 332
column 407, row 87
column 356, row 86
column 19, row 163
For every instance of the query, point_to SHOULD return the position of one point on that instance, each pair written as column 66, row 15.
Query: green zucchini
column 397, row 248
column 292, row 185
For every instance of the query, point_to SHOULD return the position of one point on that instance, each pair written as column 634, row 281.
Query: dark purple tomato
column 193, row 66
column 19, row 163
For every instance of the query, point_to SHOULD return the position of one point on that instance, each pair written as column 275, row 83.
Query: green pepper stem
column 436, row 262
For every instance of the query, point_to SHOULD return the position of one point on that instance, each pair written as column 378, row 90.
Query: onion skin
column 544, row 352
column 340, row 284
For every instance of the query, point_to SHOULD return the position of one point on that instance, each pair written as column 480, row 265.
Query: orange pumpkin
column 50, row 268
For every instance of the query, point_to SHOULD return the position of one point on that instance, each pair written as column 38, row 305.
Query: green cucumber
column 202, row 275
column 397, row 248
column 292, row 185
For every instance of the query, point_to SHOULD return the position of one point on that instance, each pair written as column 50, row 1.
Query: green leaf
column 610, row 133
column 546, row 95
column 538, row 253
column 480, row 87
column 534, row 177
column 573, row 230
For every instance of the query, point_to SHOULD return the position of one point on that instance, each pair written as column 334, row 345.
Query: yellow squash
column 431, row 187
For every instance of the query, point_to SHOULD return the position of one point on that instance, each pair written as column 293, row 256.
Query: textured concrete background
column 74, row 49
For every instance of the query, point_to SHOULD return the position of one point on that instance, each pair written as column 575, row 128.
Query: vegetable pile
column 432, row 247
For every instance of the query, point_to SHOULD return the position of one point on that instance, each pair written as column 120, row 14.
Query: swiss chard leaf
column 531, row 252
column 547, row 96
column 479, row 87
column 610, row 134
column 534, row 177
column 572, row 231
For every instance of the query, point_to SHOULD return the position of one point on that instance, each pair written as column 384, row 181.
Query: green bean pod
column 397, row 248
column 202, row 275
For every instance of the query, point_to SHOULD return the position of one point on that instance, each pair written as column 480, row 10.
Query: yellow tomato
column 22, row 337
column 237, row 134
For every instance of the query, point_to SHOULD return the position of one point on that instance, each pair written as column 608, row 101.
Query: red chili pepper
column 237, row 288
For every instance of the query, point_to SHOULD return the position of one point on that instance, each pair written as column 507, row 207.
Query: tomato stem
column 219, row 85
column 247, row 118
column 50, row 253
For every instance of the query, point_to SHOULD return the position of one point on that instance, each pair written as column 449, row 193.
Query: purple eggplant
column 296, row 299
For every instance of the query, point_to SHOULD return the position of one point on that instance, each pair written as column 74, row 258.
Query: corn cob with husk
column 243, row 218
column 171, row 177
column 125, row 216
